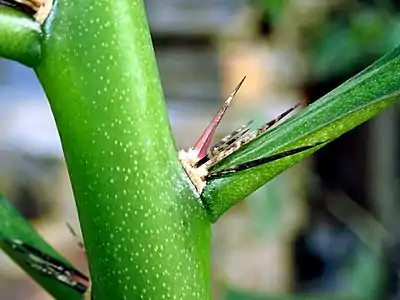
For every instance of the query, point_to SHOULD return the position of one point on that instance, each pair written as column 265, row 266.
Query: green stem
column 146, row 233
column 19, row 37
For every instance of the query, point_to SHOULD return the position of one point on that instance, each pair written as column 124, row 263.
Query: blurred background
column 327, row 228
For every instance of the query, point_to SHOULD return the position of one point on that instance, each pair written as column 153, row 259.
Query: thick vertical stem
column 146, row 233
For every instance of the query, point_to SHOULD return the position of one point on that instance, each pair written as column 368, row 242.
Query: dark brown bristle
column 28, row 9
column 75, row 235
column 49, row 265
column 271, row 123
column 245, row 139
column 224, row 143
column 233, row 136
column 260, row 161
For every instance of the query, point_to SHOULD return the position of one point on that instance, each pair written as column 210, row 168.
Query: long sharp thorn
column 202, row 145
column 260, row 161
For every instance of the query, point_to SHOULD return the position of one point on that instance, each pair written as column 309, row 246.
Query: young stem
column 19, row 37
column 146, row 233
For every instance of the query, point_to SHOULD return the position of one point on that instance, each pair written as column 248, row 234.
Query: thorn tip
column 202, row 145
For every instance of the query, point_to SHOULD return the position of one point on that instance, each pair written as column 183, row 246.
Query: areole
column 198, row 160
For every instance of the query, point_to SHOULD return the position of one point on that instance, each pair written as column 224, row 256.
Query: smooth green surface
column 146, row 233
column 351, row 104
column 19, row 37
column 14, row 226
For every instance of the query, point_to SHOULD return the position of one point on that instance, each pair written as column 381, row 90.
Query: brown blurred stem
column 23, row 6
